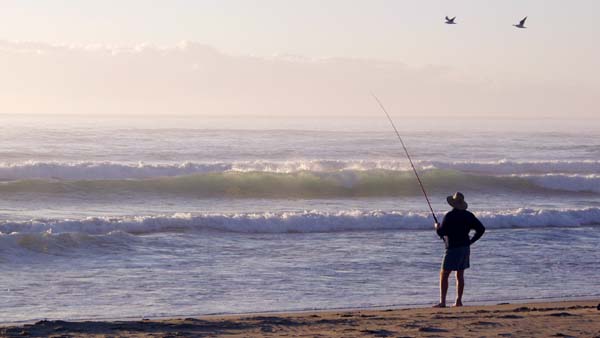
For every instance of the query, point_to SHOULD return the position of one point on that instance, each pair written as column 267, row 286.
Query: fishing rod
column 407, row 155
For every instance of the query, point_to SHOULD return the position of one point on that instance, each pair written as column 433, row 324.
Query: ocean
column 129, row 216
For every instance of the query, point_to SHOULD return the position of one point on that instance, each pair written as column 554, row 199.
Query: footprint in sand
column 511, row 317
column 561, row 314
column 562, row 335
column 486, row 323
column 379, row 333
column 431, row 329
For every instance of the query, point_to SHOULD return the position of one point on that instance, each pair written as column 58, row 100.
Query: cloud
column 192, row 78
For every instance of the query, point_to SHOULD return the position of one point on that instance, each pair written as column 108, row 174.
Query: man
column 455, row 230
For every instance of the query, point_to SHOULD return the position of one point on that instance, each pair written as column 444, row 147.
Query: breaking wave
column 505, row 167
column 576, row 183
column 115, row 170
column 290, row 222
column 307, row 184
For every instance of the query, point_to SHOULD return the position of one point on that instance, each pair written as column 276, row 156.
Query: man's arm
column 479, row 230
column 440, row 229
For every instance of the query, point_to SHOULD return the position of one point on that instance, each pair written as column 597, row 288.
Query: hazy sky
column 300, row 57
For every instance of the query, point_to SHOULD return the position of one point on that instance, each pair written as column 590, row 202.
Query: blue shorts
column 456, row 259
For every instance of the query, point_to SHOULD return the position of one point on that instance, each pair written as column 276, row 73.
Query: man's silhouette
column 455, row 230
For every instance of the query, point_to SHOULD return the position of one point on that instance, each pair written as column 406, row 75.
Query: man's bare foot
column 457, row 304
column 440, row 305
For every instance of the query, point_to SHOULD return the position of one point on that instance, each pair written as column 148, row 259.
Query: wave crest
column 115, row 170
column 296, row 222
column 305, row 184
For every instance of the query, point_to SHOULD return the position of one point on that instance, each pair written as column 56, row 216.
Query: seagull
column 521, row 23
column 450, row 21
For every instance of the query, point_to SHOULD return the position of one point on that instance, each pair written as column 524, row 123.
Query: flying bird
column 521, row 23
column 450, row 21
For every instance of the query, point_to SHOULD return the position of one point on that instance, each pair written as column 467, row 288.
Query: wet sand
column 550, row 319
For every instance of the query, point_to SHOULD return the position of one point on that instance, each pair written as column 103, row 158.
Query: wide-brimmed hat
column 457, row 201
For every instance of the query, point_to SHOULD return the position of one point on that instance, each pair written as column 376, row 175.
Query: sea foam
column 118, row 170
column 296, row 222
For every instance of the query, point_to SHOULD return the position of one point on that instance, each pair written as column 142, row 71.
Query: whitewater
column 124, row 216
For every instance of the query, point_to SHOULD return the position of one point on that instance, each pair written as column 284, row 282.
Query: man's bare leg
column 444, row 274
column 460, row 286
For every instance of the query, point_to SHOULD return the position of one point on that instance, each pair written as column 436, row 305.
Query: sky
column 280, row 58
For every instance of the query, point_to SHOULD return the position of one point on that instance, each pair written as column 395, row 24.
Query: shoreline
column 544, row 319
column 590, row 298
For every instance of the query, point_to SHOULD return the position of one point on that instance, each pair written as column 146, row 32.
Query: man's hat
column 457, row 201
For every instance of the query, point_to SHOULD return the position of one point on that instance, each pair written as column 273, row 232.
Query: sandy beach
column 549, row 319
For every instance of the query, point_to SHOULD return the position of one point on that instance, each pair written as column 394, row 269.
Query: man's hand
column 436, row 225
